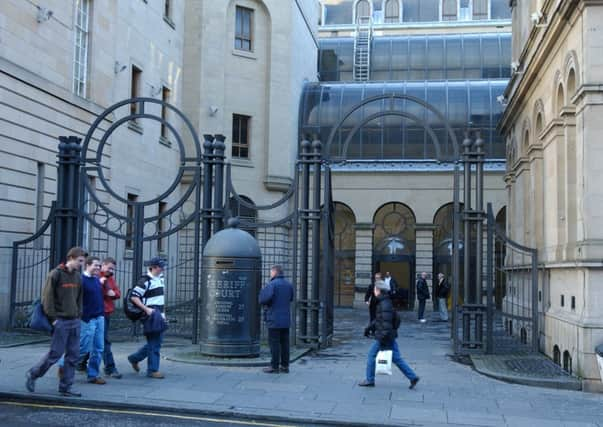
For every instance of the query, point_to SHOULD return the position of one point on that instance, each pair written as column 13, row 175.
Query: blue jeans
column 149, row 351
column 108, row 354
column 396, row 360
column 92, row 340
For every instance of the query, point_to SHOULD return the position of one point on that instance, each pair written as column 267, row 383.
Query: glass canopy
column 393, row 137
column 426, row 57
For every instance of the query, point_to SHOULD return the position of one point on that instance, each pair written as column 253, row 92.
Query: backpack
column 396, row 321
column 132, row 311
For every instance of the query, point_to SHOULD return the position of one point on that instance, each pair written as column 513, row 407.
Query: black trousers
column 421, row 308
column 278, row 338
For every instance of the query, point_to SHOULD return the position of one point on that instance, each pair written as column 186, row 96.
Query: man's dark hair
column 90, row 260
column 109, row 260
column 278, row 269
column 76, row 252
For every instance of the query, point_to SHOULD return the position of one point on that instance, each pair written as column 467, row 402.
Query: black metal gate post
column 473, row 309
column 490, row 283
column 315, row 215
column 218, row 210
column 305, row 206
column 207, row 187
column 66, row 217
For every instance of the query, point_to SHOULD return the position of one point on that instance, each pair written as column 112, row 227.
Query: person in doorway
column 443, row 292
column 276, row 296
column 62, row 300
column 369, row 297
column 422, row 295
column 384, row 328
column 391, row 283
column 148, row 295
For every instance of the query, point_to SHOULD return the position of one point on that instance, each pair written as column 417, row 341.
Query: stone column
column 424, row 255
column 364, row 261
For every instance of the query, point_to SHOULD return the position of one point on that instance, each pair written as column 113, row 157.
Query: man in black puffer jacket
column 385, row 337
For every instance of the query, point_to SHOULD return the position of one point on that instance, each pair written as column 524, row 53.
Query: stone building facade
column 552, row 129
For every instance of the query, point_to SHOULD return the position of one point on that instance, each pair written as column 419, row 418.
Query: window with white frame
column 392, row 11
column 243, row 25
column 82, row 42
column 449, row 10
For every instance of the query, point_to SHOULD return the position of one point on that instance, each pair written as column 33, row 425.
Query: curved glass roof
column 426, row 57
column 401, row 138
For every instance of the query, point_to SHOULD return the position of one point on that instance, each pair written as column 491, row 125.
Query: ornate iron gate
column 177, row 223
column 300, row 238
column 513, row 269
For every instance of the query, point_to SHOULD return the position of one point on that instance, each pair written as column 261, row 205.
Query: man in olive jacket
column 385, row 330
column 62, row 301
column 277, row 297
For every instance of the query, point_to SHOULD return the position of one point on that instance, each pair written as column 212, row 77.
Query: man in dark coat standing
column 384, row 328
column 276, row 296
column 422, row 295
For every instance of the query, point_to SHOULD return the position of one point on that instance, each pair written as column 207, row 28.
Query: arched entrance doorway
column 345, row 255
column 394, row 249
column 442, row 248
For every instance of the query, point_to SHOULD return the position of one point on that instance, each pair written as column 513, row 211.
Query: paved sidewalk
column 323, row 387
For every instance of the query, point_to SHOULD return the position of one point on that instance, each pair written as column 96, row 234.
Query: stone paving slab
column 322, row 387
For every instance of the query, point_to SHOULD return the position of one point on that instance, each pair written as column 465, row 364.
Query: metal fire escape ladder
column 362, row 49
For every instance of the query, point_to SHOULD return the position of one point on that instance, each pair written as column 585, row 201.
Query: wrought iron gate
column 177, row 223
column 513, row 270
column 300, row 237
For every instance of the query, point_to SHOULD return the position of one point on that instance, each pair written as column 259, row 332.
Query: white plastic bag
column 383, row 363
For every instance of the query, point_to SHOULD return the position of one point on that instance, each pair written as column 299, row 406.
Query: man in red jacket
column 110, row 294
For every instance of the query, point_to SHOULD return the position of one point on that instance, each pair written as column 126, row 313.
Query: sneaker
column 157, row 375
column 423, row 320
column 134, row 365
column 270, row 370
column 97, row 380
column 61, row 372
column 114, row 374
column 413, row 383
column 30, row 382
column 366, row 383
column 70, row 393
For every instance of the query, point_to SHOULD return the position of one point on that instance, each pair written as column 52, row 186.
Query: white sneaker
column 423, row 320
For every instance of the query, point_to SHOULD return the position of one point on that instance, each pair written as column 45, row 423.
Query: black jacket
column 422, row 289
column 443, row 289
column 383, row 325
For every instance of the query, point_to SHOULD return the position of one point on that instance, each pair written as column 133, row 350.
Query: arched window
column 571, row 84
column 567, row 362
column 345, row 255
column 526, row 142
column 557, row 355
column 539, row 124
column 363, row 10
column 560, row 98
column 392, row 11
column 449, row 10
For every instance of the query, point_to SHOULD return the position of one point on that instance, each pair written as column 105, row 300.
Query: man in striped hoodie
column 148, row 295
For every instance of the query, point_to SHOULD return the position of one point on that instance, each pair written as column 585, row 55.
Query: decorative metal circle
column 97, row 162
